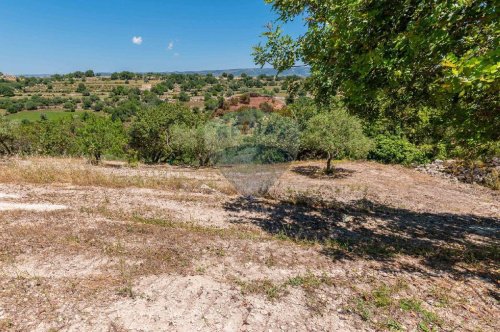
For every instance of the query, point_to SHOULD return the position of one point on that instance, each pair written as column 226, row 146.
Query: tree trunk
column 6, row 147
column 329, row 168
column 97, row 158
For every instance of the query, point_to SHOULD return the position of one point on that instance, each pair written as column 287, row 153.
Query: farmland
column 76, row 91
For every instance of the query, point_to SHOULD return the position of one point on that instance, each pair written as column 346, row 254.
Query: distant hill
column 299, row 71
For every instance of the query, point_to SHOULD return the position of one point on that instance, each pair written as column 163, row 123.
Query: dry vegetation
column 151, row 248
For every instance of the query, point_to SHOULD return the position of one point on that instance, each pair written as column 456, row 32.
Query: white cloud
column 137, row 40
column 170, row 46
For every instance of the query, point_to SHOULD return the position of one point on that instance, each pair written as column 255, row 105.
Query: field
column 150, row 248
column 36, row 115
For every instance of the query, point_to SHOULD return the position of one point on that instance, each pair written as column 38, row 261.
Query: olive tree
column 151, row 130
column 203, row 142
column 336, row 134
column 100, row 135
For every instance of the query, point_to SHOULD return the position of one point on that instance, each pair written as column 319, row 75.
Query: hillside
column 298, row 71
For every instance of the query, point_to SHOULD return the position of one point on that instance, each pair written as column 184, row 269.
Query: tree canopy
column 336, row 134
column 391, row 57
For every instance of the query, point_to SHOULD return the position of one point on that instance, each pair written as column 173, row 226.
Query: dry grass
column 271, row 253
column 39, row 173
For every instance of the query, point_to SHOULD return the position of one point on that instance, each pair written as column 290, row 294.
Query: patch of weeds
column 201, row 269
column 270, row 261
column 154, row 221
column 311, row 283
column 126, row 291
column 73, row 239
column 381, row 296
column 115, row 248
column 314, row 302
column 431, row 317
column 424, row 327
column 394, row 325
column 200, row 229
column 363, row 310
column 308, row 281
column 265, row 286
column 442, row 297
column 410, row 305
column 6, row 324
column 377, row 306
column 430, row 320
column 218, row 251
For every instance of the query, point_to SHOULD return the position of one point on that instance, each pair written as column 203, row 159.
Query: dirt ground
column 372, row 247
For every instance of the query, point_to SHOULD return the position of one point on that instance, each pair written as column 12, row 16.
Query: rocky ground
column 485, row 173
column 372, row 247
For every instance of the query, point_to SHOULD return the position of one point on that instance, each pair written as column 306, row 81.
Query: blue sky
column 59, row 36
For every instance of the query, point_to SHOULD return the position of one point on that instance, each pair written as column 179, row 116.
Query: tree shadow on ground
column 460, row 244
column 316, row 172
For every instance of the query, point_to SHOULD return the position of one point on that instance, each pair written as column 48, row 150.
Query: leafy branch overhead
column 387, row 57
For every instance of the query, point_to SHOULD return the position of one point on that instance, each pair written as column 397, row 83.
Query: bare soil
column 372, row 247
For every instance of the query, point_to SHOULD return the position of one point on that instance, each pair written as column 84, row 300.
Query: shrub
column 81, row 88
column 397, row 150
column 266, row 107
column 6, row 91
column 234, row 101
column 14, row 108
column 184, row 97
column 30, row 105
column 245, row 98
column 69, row 106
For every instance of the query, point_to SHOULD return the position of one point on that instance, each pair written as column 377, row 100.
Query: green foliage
column 202, row 143
column 100, row 135
column 184, row 97
column 211, row 104
column 6, row 136
column 302, row 110
column 397, row 56
column 394, row 149
column 150, row 133
column 81, row 88
column 336, row 134
column 6, row 91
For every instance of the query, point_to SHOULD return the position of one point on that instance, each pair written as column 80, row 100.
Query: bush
column 245, row 98
column 184, row 97
column 397, row 150
column 14, row 108
column 6, row 91
column 266, row 107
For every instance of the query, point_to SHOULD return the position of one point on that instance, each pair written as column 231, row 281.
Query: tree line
column 174, row 133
